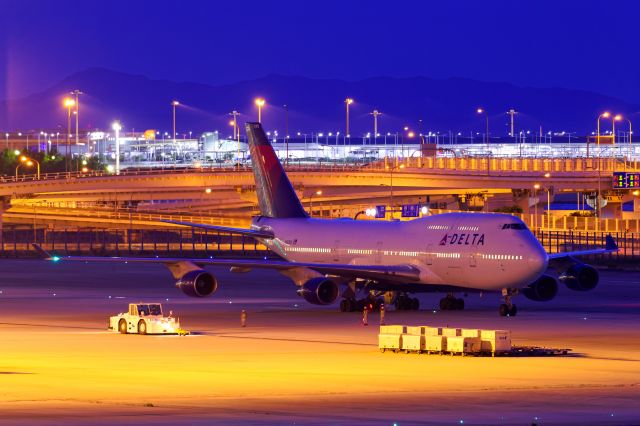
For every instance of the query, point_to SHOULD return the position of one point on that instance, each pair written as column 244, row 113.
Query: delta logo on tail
column 463, row 239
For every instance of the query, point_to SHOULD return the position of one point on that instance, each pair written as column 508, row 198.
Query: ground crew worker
column 382, row 313
column 365, row 315
column 243, row 318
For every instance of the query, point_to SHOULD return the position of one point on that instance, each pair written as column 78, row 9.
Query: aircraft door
column 429, row 255
column 473, row 260
column 378, row 254
column 335, row 251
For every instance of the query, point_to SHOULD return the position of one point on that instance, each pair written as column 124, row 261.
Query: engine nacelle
column 543, row 289
column 197, row 283
column 580, row 277
column 319, row 291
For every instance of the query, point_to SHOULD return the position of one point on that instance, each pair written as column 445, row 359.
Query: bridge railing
column 479, row 165
column 16, row 243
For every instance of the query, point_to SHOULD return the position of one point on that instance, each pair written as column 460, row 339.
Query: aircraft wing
column 255, row 233
column 610, row 247
column 400, row 273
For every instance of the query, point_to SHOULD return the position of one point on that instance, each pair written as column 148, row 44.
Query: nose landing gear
column 508, row 309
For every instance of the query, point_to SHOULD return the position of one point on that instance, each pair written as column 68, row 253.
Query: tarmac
column 295, row 363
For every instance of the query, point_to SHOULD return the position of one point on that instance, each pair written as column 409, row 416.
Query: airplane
column 382, row 260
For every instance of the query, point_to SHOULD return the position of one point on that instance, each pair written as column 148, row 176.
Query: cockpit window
column 519, row 226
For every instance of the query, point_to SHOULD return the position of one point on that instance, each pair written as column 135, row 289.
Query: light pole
column 117, row 127
column 77, row 93
column 375, row 114
column 391, row 169
column 605, row 114
column 635, row 164
column 348, row 102
column 68, row 103
column 236, row 132
column 28, row 162
column 259, row 103
column 512, row 112
column 286, row 133
column 486, row 115
column 6, row 135
column 536, row 187
column 174, row 104
column 547, row 176
column 318, row 192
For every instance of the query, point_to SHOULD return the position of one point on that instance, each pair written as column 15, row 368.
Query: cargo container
column 463, row 345
column 393, row 329
column 470, row 332
column 413, row 342
column 451, row 332
column 433, row 331
column 435, row 343
column 419, row 330
column 390, row 342
column 495, row 341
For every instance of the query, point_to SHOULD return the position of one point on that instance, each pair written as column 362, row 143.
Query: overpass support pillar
column 5, row 202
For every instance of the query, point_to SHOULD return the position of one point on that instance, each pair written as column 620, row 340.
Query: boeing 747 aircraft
column 328, row 259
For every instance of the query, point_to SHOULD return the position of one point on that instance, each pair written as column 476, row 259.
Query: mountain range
column 313, row 105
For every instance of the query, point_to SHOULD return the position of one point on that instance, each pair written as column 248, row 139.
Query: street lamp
column 77, row 93
column 28, row 162
column 236, row 132
column 635, row 165
column 259, row 103
column 348, row 102
column 117, row 127
column 547, row 176
column 375, row 114
column 391, row 169
column 536, row 187
column 486, row 114
column 318, row 192
column 174, row 104
column 68, row 103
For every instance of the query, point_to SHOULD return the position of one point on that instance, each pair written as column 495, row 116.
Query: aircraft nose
column 537, row 261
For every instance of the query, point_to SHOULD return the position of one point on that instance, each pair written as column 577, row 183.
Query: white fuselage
column 476, row 251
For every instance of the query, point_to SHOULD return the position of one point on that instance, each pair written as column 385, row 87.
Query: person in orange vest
column 365, row 315
column 243, row 318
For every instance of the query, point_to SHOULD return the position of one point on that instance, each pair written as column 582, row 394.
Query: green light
column 55, row 258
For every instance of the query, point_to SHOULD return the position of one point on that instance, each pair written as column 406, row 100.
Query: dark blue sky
column 574, row 44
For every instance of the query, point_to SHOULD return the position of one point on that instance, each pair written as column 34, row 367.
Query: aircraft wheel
column 445, row 304
column 513, row 311
column 345, row 305
column 415, row 304
column 122, row 326
column 459, row 303
column 142, row 327
column 504, row 310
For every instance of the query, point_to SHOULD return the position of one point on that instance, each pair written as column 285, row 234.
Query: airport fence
column 17, row 243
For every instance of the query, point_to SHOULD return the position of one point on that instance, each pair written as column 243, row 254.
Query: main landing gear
column 507, row 309
column 406, row 303
column 451, row 303
column 357, row 305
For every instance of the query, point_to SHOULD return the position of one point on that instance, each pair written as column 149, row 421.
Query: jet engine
column 580, row 277
column 198, row 283
column 319, row 291
column 543, row 289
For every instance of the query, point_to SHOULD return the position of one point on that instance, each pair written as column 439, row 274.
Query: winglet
column 610, row 243
column 44, row 254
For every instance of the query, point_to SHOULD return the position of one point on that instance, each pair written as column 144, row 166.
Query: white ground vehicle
column 144, row 318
